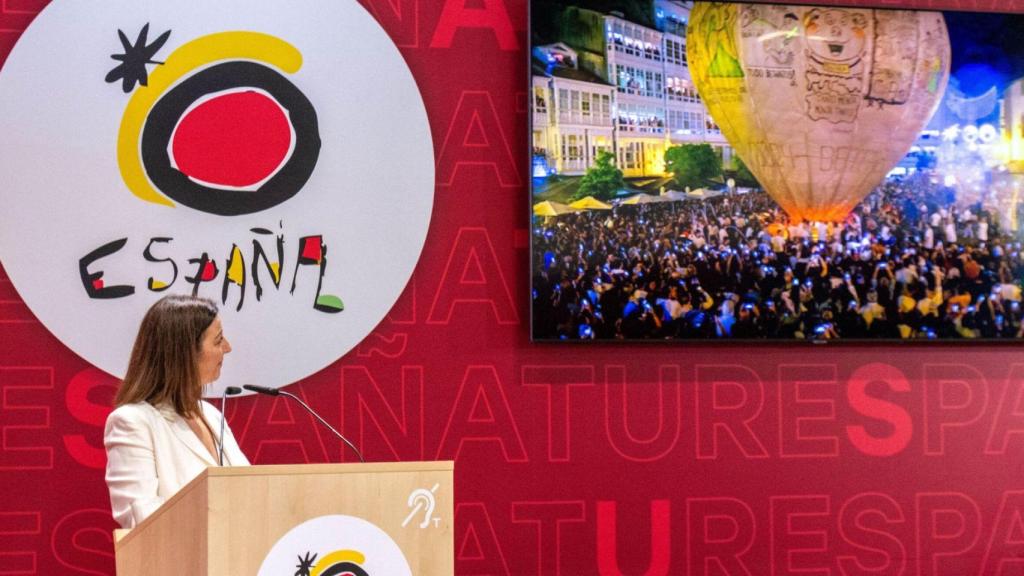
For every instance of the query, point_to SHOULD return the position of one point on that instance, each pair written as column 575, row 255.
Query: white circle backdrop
column 370, row 195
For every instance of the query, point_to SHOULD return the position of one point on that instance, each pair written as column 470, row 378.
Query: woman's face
column 212, row 348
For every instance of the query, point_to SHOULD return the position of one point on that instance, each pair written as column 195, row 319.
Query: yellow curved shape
column 199, row 52
column 336, row 557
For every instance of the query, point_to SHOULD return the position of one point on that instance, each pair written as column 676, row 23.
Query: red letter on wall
column 608, row 541
column 481, row 415
column 25, row 398
column 475, row 138
column 897, row 417
column 948, row 527
column 719, row 531
column 81, row 398
column 473, row 275
column 493, row 15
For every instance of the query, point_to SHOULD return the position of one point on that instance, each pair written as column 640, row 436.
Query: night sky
column 988, row 49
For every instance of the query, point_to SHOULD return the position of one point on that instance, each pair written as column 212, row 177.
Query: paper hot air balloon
column 819, row 102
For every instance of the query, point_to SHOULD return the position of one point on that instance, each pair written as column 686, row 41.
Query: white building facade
column 572, row 116
column 688, row 121
column 653, row 103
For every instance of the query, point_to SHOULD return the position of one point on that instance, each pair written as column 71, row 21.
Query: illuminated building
column 643, row 69
column 1010, row 183
column 1013, row 125
column 687, row 119
column 572, row 120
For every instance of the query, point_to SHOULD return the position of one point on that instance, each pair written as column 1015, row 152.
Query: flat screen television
column 767, row 172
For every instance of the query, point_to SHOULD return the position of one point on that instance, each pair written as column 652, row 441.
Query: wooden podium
column 227, row 520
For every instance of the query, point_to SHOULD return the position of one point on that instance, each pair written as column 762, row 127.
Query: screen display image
column 752, row 172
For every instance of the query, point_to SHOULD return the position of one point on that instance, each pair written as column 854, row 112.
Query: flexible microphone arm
column 229, row 391
column 276, row 392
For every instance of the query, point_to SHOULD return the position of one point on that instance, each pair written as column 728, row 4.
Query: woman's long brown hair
column 164, row 366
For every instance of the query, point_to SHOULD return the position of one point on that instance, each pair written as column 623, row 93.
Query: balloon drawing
column 819, row 102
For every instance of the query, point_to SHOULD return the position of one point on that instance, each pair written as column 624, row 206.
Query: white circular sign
column 275, row 157
column 336, row 544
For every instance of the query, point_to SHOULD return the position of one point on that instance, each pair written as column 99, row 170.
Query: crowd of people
column 908, row 262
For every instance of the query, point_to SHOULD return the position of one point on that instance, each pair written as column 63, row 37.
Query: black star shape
column 132, row 67
column 305, row 564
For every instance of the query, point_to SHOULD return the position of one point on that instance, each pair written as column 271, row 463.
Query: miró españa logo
column 335, row 545
column 275, row 157
column 216, row 127
column 336, row 563
column 219, row 129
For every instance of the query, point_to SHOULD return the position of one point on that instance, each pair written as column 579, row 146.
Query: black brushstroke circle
column 172, row 105
column 344, row 568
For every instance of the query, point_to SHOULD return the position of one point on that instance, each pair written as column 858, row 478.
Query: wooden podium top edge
column 347, row 468
column 124, row 536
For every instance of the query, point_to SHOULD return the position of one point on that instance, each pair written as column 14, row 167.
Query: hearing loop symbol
column 420, row 499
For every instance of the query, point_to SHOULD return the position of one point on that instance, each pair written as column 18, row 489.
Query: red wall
column 569, row 459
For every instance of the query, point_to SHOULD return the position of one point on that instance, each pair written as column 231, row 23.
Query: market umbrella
column 551, row 208
column 674, row 196
column 644, row 199
column 589, row 203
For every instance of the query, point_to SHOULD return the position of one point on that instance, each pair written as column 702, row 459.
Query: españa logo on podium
column 337, row 563
column 335, row 545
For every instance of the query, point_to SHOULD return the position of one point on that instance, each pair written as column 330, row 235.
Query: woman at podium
column 161, row 434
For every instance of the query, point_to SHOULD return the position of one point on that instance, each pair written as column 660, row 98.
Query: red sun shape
column 232, row 140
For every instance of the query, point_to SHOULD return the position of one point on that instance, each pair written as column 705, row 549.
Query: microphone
column 277, row 392
column 229, row 391
column 262, row 389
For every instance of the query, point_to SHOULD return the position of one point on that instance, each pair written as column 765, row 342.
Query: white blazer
column 152, row 453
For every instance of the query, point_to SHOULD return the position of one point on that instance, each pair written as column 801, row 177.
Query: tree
column 743, row 174
column 602, row 180
column 692, row 164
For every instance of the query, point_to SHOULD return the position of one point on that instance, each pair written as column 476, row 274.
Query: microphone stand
column 276, row 392
column 229, row 391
